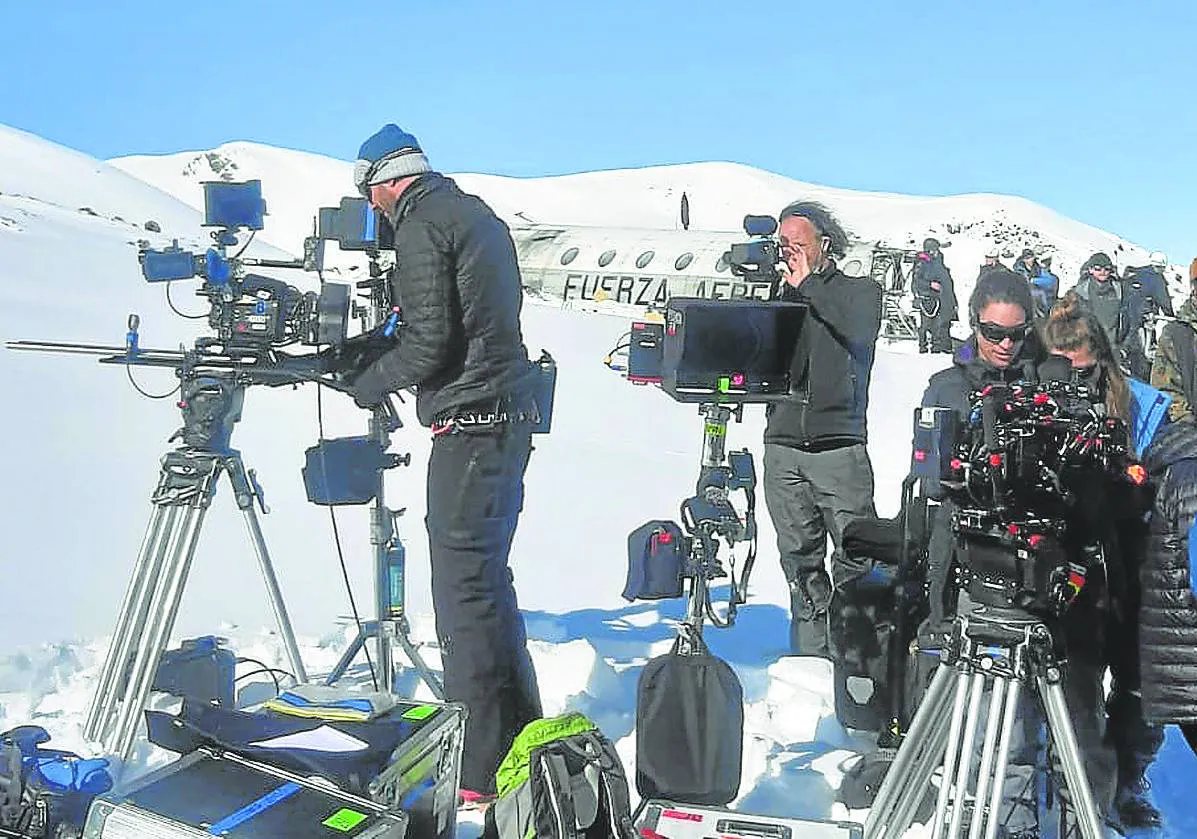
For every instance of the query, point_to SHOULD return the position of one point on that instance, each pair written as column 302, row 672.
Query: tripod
column 709, row 515
column 211, row 405
column 391, row 625
column 1004, row 650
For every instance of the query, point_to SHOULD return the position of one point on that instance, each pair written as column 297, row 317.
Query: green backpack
column 561, row 779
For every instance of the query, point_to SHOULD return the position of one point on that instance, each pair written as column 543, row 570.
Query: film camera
column 1017, row 471
column 756, row 259
column 250, row 312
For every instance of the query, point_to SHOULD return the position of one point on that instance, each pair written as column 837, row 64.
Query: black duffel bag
column 689, row 728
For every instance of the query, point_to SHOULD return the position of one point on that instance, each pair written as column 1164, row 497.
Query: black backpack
column 561, row 779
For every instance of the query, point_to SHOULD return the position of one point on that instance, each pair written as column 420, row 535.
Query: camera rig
column 756, row 260
column 1017, row 474
column 252, row 318
column 721, row 354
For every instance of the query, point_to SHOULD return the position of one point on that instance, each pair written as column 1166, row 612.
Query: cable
column 237, row 255
column 137, row 387
column 263, row 667
column 357, row 620
column 170, row 302
column 274, row 674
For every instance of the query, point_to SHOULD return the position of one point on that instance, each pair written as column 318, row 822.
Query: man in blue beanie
column 458, row 287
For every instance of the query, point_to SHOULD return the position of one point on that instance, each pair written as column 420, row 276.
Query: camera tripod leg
column 245, row 493
column 965, row 757
column 991, row 775
column 922, row 748
column 413, row 655
column 930, row 758
column 951, row 755
column 1060, row 731
column 350, row 654
column 166, row 596
column 130, row 621
column 392, row 632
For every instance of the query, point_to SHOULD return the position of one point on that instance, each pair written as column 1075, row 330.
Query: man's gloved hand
column 368, row 390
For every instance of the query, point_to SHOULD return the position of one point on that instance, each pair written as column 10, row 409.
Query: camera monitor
column 231, row 204
column 729, row 350
column 353, row 225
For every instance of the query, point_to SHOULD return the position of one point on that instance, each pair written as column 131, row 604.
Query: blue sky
column 1087, row 107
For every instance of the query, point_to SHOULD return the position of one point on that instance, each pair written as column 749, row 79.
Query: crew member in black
column 818, row 475
column 458, row 287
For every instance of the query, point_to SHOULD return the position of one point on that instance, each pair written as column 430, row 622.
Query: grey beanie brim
column 400, row 164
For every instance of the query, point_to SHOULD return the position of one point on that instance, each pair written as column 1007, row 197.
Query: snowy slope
column 720, row 194
column 81, row 449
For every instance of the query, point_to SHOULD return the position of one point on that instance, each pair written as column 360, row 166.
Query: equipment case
column 424, row 772
column 417, row 770
column 666, row 820
column 212, row 793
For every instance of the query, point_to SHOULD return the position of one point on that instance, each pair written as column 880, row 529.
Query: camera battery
column 646, row 349
column 935, row 433
column 213, row 793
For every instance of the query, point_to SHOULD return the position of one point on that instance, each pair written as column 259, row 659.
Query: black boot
column 809, row 598
column 1134, row 805
column 1136, row 744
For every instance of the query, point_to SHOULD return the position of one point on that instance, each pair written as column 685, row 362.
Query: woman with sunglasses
column 1112, row 516
column 1002, row 349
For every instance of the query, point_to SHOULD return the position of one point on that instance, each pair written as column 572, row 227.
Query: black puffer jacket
column 832, row 366
column 1168, row 614
column 457, row 283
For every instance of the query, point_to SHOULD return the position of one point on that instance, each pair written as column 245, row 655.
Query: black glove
column 368, row 390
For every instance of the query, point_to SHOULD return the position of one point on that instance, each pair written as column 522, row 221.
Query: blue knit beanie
column 389, row 154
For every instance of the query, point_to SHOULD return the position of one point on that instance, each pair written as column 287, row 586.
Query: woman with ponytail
column 1113, row 517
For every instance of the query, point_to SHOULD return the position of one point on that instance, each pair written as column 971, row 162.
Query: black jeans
column 475, row 494
column 810, row 496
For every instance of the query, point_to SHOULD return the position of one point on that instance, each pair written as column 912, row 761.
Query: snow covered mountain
column 719, row 194
column 80, row 452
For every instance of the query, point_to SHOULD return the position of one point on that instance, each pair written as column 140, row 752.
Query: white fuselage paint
column 612, row 267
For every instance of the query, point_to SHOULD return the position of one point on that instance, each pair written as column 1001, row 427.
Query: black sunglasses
column 995, row 333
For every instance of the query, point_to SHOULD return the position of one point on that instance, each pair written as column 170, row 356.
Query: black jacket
column 832, row 365
column 930, row 269
column 1168, row 610
column 457, row 284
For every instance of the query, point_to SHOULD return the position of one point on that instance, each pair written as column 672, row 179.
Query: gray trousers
column 810, row 496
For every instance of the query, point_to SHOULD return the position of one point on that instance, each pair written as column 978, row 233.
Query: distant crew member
column 935, row 296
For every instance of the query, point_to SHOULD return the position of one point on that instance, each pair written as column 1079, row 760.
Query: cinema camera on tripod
column 252, row 318
column 1016, row 471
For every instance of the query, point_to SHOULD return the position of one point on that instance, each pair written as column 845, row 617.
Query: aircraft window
column 683, row 261
column 721, row 265
column 606, row 258
column 644, row 259
column 569, row 256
